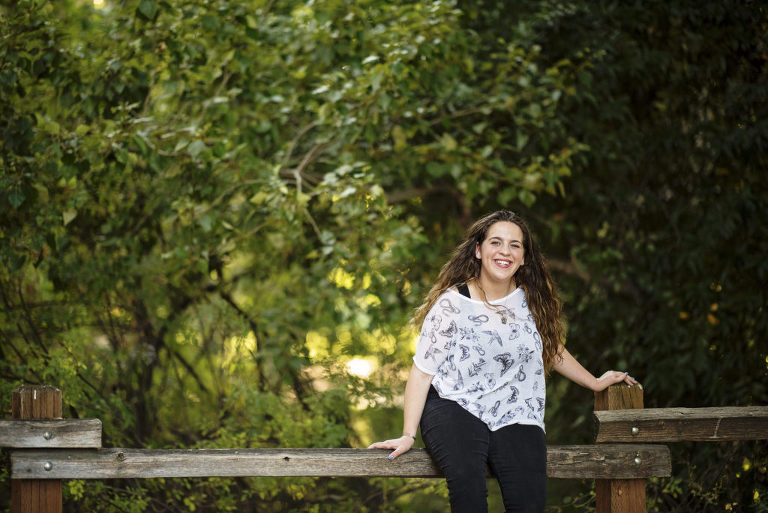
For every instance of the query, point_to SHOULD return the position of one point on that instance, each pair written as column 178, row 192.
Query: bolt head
column 47, row 435
column 637, row 460
column 635, row 430
column 47, row 465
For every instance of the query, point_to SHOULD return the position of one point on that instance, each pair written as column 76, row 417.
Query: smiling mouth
column 503, row 263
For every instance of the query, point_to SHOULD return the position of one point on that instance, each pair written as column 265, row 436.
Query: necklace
column 502, row 310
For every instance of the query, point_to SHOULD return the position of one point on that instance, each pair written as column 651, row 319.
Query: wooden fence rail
column 50, row 434
column 48, row 449
column 563, row 462
column 682, row 424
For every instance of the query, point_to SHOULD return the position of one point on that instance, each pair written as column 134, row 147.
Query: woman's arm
column 572, row 369
column 415, row 396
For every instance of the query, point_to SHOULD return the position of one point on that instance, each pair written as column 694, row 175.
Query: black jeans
column 462, row 445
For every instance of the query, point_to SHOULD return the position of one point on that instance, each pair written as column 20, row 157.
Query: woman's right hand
column 400, row 445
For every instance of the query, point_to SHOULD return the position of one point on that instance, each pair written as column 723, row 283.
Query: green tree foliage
column 200, row 219
column 208, row 208
column 660, row 241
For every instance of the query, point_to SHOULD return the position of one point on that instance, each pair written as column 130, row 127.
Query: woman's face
column 501, row 253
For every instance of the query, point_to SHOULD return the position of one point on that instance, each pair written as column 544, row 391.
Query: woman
column 490, row 329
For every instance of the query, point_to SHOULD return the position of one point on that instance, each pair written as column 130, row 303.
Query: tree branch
column 255, row 329
column 405, row 195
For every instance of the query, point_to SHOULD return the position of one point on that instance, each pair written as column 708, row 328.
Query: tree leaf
column 68, row 216
column 195, row 148
column 16, row 197
column 148, row 9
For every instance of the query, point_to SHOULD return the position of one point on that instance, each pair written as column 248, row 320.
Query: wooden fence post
column 36, row 495
column 619, row 495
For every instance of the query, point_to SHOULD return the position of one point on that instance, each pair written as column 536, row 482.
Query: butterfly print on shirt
column 431, row 352
column 507, row 417
column 494, row 337
column 459, row 383
column 514, row 331
column 514, row 392
column 479, row 409
column 475, row 388
column 517, row 413
column 506, row 361
column 464, row 352
column 450, row 331
column 490, row 379
column 534, row 408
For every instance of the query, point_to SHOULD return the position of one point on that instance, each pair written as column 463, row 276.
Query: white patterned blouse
column 488, row 360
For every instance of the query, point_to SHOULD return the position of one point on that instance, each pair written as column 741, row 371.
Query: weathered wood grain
column 682, row 424
column 36, row 496
column 50, row 434
column 619, row 495
column 619, row 461
column 575, row 461
column 36, row 402
column 619, row 397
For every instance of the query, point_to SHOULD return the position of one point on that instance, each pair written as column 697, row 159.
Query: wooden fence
column 48, row 449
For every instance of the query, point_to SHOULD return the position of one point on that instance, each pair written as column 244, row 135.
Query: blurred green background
column 216, row 218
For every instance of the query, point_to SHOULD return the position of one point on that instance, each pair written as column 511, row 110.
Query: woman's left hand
column 614, row 377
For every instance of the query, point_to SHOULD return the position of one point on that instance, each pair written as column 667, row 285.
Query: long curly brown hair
column 533, row 278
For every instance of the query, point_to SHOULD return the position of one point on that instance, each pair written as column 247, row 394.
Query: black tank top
column 464, row 290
